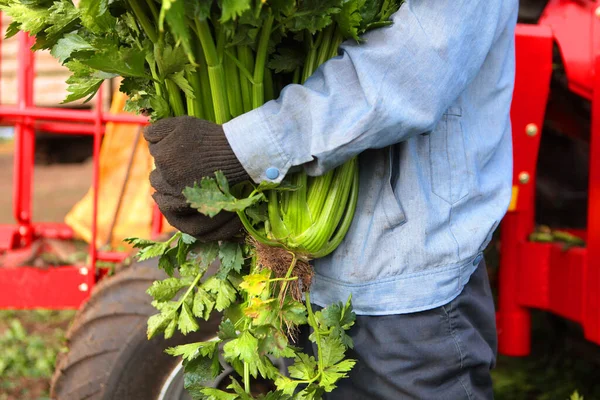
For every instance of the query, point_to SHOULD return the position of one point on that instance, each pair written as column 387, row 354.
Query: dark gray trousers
column 441, row 354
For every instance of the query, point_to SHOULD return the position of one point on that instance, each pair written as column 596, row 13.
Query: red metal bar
column 9, row 236
column 534, row 67
column 592, row 301
column 24, row 143
column 112, row 256
column 95, row 186
column 157, row 222
column 53, row 231
column 534, row 274
column 553, row 279
column 566, row 282
column 54, row 288
column 66, row 128
column 61, row 114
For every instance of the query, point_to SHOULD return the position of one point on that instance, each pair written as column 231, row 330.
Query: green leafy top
column 258, row 314
column 150, row 42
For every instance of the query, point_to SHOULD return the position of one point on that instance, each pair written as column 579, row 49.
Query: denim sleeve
column 396, row 84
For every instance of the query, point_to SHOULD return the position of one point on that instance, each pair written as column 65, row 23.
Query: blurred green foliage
column 29, row 344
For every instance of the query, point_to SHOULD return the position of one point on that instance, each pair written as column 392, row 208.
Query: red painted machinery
column 547, row 276
column 58, row 287
column 532, row 275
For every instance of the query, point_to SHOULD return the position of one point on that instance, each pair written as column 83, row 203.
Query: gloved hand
column 185, row 149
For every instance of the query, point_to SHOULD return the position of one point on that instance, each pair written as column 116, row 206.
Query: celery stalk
column 342, row 229
column 246, row 58
column 175, row 98
column 234, row 90
column 204, row 96
column 146, row 24
column 216, row 73
column 194, row 103
column 258, row 94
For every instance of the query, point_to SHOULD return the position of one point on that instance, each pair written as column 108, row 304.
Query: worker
column 425, row 104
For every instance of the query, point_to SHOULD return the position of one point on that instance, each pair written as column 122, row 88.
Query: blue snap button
column 272, row 173
column 478, row 259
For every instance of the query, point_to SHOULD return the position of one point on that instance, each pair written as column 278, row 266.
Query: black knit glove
column 185, row 149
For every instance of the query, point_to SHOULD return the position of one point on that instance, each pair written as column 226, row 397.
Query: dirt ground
column 29, row 363
column 56, row 188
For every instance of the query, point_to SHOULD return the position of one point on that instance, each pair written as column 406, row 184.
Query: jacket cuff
column 257, row 148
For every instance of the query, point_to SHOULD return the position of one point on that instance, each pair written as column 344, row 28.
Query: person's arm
column 394, row 86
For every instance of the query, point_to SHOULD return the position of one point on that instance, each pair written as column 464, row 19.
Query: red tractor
column 556, row 132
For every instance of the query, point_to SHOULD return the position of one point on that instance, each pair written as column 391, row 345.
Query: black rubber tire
column 109, row 356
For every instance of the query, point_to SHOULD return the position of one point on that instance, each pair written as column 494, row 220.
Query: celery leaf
column 203, row 304
column 227, row 330
column 120, row 61
column 334, row 373
column 191, row 350
column 148, row 248
column 242, row 348
column 349, row 19
column 96, row 17
column 187, row 323
column 199, row 371
column 176, row 16
column 231, row 258
column 222, row 289
column 209, row 198
column 167, row 288
column 287, row 59
column 69, row 44
column 286, row 385
column 216, row 394
column 84, row 82
column 304, row 367
column 231, row 9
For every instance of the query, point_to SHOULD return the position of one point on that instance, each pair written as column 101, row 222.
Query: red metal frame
column 532, row 85
column 572, row 23
column 56, row 287
column 540, row 275
column 592, row 279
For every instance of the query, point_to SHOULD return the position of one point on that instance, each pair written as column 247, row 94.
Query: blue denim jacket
column 425, row 102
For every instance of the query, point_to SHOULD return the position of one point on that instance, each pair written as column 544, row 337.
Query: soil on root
column 279, row 260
